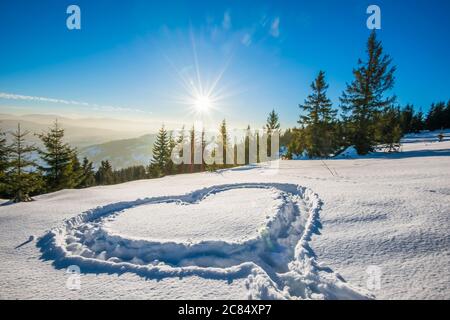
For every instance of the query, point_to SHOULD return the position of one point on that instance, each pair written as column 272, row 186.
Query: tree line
column 369, row 118
column 26, row 170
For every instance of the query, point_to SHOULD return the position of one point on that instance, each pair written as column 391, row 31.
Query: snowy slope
column 252, row 232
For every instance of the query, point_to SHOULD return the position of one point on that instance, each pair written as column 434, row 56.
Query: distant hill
column 121, row 153
column 78, row 132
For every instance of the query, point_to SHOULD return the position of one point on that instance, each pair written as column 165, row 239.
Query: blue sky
column 140, row 59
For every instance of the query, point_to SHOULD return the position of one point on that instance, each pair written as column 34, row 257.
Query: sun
column 203, row 103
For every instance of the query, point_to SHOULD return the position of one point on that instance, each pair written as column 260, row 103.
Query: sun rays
column 203, row 96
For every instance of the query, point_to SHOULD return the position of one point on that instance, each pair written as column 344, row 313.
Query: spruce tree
column 318, row 120
column 193, row 141
column 223, row 139
column 389, row 130
column 273, row 122
column 407, row 118
column 180, row 141
column 447, row 116
column 203, row 143
column 435, row 119
column 272, row 125
column 105, row 174
column 365, row 97
column 161, row 153
column 88, row 176
column 22, row 177
column 417, row 123
column 247, row 144
column 4, row 162
column 170, row 167
column 59, row 159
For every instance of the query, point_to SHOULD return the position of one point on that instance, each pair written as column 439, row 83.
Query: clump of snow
column 348, row 153
column 426, row 136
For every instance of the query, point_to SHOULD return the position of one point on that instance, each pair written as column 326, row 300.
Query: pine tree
column 223, row 139
column 273, row 122
column 272, row 125
column 4, row 162
column 22, row 177
column 180, row 141
column 170, row 167
column 435, row 119
column 59, row 159
column 365, row 97
column 104, row 174
column 389, row 130
column 247, row 144
column 88, row 176
column 193, row 141
column 417, row 123
column 407, row 118
column 161, row 153
column 203, row 143
column 318, row 120
column 447, row 116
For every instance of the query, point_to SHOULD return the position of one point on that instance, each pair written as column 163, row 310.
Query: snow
column 348, row 153
column 226, row 215
column 293, row 232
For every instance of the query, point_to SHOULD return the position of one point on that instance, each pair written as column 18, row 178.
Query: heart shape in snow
column 274, row 257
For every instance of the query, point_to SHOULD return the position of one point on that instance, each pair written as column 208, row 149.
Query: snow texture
column 277, row 262
column 258, row 231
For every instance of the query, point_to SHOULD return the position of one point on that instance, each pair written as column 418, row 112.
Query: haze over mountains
column 121, row 153
column 122, row 142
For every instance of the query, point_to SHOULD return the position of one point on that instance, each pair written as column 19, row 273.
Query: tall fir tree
column 318, row 119
column 366, row 96
column 161, row 153
column 248, row 136
column 203, row 145
column 447, row 116
column 193, row 141
column 105, row 174
column 389, row 130
column 180, row 140
column 88, row 176
column 59, row 159
column 273, row 122
column 407, row 118
column 272, row 125
column 4, row 162
column 170, row 167
column 435, row 119
column 22, row 177
column 223, row 139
